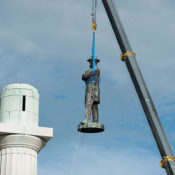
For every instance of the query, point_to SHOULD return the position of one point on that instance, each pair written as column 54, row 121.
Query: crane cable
column 94, row 27
column 93, row 14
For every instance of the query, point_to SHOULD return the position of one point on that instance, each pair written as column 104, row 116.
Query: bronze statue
column 92, row 94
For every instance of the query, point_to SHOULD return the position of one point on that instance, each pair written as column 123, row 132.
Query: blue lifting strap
column 93, row 79
column 93, row 54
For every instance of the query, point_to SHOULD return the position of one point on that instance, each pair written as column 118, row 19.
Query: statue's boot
column 85, row 121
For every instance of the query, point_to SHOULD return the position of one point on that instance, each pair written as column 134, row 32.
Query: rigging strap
column 93, row 79
column 94, row 7
column 93, row 54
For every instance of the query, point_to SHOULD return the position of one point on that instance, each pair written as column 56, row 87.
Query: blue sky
column 46, row 44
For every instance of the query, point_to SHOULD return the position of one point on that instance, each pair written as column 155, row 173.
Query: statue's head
column 90, row 60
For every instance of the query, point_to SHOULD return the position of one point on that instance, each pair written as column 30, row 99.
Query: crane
column 129, row 58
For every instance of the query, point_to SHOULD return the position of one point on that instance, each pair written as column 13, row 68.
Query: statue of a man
column 92, row 94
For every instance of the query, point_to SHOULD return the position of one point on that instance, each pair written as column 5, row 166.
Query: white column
column 18, row 154
column 20, row 136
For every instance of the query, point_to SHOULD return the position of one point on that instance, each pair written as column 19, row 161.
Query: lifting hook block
column 94, row 26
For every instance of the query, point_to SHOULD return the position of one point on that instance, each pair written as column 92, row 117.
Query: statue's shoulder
column 97, row 68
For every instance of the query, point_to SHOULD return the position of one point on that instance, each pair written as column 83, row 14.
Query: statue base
column 90, row 127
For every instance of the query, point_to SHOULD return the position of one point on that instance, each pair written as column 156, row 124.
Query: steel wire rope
column 94, row 9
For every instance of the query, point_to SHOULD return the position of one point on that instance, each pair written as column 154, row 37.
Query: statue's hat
column 96, row 60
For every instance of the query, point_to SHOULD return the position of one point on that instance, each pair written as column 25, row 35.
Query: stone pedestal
column 20, row 136
column 90, row 127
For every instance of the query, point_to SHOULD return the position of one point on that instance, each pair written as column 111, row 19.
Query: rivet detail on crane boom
column 165, row 160
column 123, row 56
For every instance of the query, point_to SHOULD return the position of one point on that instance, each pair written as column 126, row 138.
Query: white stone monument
column 20, row 136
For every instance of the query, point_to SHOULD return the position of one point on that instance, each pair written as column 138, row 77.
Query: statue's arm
column 87, row 74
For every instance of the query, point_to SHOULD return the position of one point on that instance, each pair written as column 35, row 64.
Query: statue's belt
column 92, row 79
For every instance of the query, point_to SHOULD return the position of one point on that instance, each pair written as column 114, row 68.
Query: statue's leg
column 88, row 109
column 95, row 112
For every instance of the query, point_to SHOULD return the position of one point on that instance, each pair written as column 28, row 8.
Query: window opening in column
column 23, row 103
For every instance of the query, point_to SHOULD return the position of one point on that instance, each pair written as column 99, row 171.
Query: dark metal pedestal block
column 91, row 128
